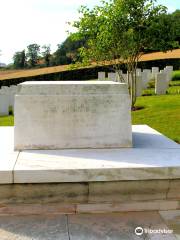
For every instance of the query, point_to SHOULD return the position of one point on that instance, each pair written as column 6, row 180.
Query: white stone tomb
column 69, row 115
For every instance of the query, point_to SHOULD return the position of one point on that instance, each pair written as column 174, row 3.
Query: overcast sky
column 24, row 22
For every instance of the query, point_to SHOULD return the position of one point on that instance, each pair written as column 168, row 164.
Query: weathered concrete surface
column 124, row 191
column 97, row 165
column 84, row 227
column 72, row 115
column 92, row 192
column 63, row 193
column 172, row 219
column 34, row 228
column 116, row 226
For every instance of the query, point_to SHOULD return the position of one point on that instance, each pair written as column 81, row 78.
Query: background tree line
column 70, row 51
column 37, row 56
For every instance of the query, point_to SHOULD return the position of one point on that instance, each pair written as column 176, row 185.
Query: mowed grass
column 6, row 120
column 161, row 113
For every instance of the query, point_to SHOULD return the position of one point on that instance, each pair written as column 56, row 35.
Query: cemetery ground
column 159, row 112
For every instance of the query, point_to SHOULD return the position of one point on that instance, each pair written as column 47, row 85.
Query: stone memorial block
column 161, row 84
column 4, row 105
column 69, row 115
column 111, row 76
column 101, row 76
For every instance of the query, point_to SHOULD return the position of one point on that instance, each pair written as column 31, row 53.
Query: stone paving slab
column 116, row 226
column 8, row 156
column 172, row 219
column 97, row 165
column 83, row 227
column 34, row 228
column 153, row 157
column 147, row 137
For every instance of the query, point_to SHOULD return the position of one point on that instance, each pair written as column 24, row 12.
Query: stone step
column 148, row 173
column 153, row 156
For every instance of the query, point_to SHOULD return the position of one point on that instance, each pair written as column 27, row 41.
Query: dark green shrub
column 176, row 75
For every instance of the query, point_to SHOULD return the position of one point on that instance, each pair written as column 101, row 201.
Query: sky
column 24, row 22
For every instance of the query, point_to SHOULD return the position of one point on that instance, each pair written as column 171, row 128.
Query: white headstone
column 111, row 76
column 12, row 93
column 149, row 73
column 155, row 71
column 59, row 115
column 101, row 76
column 6, row 91
column 138, row 71
column 170, row 68
column 139, row 86
column 118, row 77
column 168, row 72
column 4, row 105
column 161, row 84
column 145, row 80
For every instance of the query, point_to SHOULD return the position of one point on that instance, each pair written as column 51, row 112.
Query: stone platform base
column 112, row 226
column 144, row 178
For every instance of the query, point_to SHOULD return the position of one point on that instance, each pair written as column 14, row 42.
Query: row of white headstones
column 162, row 79
column 7, row 99
column 143, row 77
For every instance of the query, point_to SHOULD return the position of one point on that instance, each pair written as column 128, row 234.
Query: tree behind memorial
column 120, row 31
column 33, row 51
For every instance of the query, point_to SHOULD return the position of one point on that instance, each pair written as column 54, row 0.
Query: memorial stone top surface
column 72, row 87
column 72, row 114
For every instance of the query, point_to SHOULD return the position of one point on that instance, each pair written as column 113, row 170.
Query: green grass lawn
column 7, row 121
column 161, row 113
